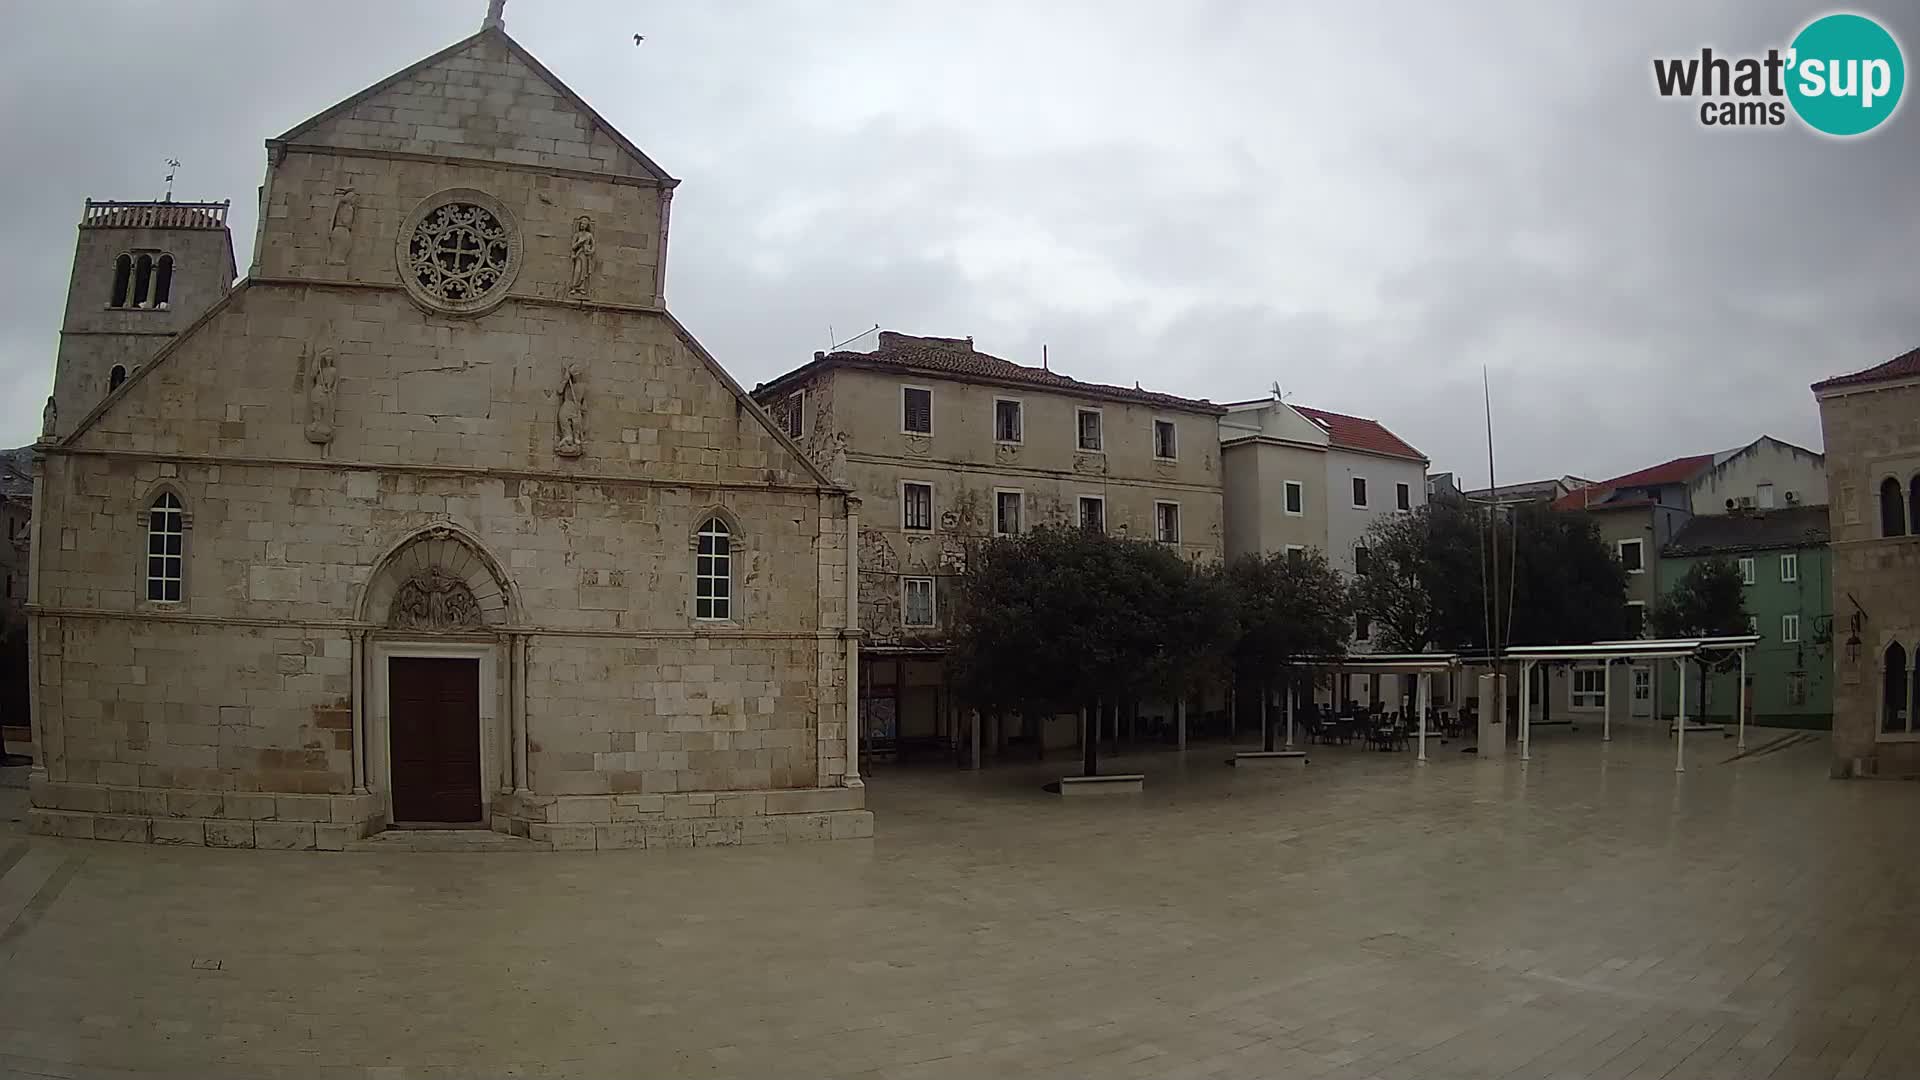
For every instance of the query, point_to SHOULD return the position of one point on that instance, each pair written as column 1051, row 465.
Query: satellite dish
column 1277, row 395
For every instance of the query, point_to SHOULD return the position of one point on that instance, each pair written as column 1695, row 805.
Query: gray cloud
column 1366, row 203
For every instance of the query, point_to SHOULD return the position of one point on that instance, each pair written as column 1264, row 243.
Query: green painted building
column 1783, row 557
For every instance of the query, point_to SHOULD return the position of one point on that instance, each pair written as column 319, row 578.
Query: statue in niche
column 837, row 468
column 582, row 256
column 321, row 386
column 340, row 234
column 434, row 600
column 571, row 421
column 49, row 417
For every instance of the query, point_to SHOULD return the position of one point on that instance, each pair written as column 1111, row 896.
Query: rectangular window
column 1006, row 512
column 1642, row 684
column 1296, row 496
column 1590, row 688
column 1165, row 447
column 166, row 545
column 1362, row 560
column 916, row 410
column 1166, row 522
column 1296, row 554
column 1630, row 556
column 1088, row 422
column 1362, row 628
column 1006, row 420
column 1763, row 495
column 1359, row 491
column 916, row 506
column 1789, row 628
column 796, row 418
column 1403, row 496
column 1093, row 513
column 1636, row 618
column 1796, row 688
column 1747, row 576
column 916, row 601
column 1753, row 624
column 1789, row 568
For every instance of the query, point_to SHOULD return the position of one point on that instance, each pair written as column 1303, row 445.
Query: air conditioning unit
column 1792, row 497
column 1746, row 502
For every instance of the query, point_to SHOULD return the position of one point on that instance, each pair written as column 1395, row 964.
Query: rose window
column 459, row 253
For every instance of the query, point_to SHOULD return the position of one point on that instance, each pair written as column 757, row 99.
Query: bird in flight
column 638, row 38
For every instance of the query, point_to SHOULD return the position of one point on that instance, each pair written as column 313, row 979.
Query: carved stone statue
column 571, row 422
column 340, row 235
column 434, row 600
column 582, row 256
column 320, row 390
column 49, row 417
column 837, row 464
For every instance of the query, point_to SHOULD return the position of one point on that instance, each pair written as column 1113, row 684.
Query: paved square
column 1588, row 915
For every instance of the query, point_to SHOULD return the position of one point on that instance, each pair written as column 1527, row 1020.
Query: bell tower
column 142, row 272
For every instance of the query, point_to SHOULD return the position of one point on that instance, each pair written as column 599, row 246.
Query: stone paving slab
column 1590, row 914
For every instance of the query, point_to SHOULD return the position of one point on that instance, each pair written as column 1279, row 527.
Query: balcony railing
column 155, row 215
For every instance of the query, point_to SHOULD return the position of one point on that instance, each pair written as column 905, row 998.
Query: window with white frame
column 1642, row 684
column 1087, row 421
column 1747, row 576
column 1790, row 567
column 1296, row 498
column 1296, row 554
column 1360, row 491
column 166, row 549
column 1763, row 496
column 916, row 601
column 916, row 410
column 916, row 506
column 1093, row 513
column 1789, row 628
column 1632, row 556
column 1007, row 421
column 1796, row 688
column 713, row 571
column 796, row 417
column 1166, row 522
column 1636, row 618
column 1165, row 446
column 1402, row 497
column 1590, row 688
column 1753, row 624
column 1007, row 506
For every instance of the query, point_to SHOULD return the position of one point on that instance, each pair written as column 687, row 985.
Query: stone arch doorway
column 439, row 609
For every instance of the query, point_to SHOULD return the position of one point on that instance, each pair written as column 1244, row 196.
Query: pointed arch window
column 1893, row 511
column 166, row 548
column 1895, row 717
column 713, row 571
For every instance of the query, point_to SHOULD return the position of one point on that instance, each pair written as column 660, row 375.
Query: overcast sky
column 1362, row 201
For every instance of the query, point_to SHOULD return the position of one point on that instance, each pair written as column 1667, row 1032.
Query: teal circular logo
column 1845, row 74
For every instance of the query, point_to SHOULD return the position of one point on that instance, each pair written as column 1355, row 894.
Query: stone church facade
column 438, row 517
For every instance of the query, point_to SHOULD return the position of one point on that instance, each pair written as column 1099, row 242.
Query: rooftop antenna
column 173, row 166
column 851, row 340
column 1045, row 365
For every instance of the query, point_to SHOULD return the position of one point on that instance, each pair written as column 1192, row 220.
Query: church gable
column 278, row 373
column 483, row 98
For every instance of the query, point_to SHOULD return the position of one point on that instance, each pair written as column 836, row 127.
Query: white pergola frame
column 1679, row 650
column 1425, row 665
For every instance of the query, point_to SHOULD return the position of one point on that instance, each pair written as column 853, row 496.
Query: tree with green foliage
column 1289, row 606
column 1709, row 600
column 1060, row 618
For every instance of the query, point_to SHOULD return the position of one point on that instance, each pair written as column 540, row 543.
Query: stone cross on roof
column 496, row 15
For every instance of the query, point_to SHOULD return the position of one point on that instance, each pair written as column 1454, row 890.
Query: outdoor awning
column 1385, row 663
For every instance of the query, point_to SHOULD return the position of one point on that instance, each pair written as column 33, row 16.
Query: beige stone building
column 1871, row 421
column 439, row 517
column 946, row 445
